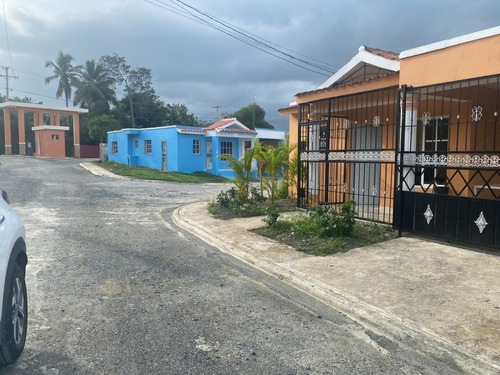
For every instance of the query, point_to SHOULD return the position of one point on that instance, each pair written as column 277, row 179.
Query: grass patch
column 289, row 233
column 144, row 173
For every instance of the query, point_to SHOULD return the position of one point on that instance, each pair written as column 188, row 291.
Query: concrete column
column 22, row 136
column 410, row 141
column 8, row 139
column 76, row 134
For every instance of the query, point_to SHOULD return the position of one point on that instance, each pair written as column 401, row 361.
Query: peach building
column 412, row 137
column 46, row 134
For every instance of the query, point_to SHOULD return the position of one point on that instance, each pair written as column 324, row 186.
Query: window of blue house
column 226, row 148
column 114, row 147
column 196, row 146
column 147, row 146
column 136, row 143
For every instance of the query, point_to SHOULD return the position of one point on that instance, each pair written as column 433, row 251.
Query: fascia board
column 450, row 42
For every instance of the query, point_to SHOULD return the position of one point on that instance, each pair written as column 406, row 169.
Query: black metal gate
column 347, row 150
column 448, row 182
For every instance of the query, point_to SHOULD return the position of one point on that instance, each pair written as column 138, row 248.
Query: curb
column 367, row 315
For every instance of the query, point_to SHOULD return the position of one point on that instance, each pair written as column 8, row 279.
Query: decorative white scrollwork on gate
column 376, row 121
column 483, row 161
column 426, row 118
column 477, row 113
column 381, row 156
column 312, row 156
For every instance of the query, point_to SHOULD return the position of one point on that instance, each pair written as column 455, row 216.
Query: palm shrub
column 242, row 169
column 279, row 172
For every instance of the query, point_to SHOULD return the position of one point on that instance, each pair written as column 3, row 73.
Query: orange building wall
column 49, row 147
column 469, row 60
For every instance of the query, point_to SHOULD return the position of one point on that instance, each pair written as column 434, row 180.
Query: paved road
column 115, row 288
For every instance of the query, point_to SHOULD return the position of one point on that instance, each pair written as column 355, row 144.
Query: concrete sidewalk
column 407, row 289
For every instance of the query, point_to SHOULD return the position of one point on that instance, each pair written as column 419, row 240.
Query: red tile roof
column 389, row 55
column 220, row 123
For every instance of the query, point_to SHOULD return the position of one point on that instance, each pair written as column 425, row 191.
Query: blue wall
column 180, row 156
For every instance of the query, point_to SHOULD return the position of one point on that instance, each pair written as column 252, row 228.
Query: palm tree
column 66, row 73
column 95, row 84
column 242, row 169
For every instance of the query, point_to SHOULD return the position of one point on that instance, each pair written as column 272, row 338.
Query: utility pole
column 253, row 113
column 217, row 109
column 6, row 75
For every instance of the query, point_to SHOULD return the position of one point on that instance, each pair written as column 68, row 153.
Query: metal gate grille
column 347, row 148
column 449, row 161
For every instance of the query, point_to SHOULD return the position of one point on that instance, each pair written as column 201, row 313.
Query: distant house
column 412, row 137
column 187, row 149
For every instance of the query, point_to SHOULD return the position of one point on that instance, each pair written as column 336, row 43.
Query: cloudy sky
column 203, row 68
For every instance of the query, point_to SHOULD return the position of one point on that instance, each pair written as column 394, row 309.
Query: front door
column 209, row 155
column 164, row 166
column 366, row 175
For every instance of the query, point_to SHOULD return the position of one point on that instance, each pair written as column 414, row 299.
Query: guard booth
column 46, row 128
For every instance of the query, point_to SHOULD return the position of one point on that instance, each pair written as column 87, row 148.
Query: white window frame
column 114, row 147
column 148, row 147
column 435, row 141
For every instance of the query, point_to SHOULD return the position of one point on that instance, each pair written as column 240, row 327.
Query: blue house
column 187, row 149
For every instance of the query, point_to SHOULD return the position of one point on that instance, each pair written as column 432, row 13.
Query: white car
column 13, row 297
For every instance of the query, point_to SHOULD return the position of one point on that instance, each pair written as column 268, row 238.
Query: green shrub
column 229, row 198
column 272, row 215
column 326, row 221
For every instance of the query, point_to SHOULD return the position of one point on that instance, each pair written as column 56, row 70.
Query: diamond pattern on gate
column 481, row 222
column 428, row 214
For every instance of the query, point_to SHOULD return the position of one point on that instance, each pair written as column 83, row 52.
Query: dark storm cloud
column 201, row 67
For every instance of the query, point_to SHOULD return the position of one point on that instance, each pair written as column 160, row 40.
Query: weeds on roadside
column 228, row 205
column 323, row 230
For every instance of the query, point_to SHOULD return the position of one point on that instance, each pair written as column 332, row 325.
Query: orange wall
column 469, row 60
column 53, row 148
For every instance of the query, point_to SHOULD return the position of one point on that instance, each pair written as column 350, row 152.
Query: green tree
column 252, row 116
column 95, row 84
column 101, row 125
column 65, row 72
column 137, row 83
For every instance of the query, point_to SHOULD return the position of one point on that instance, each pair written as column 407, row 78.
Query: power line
column 187, row 11
column 7, row 34
column 256, row 38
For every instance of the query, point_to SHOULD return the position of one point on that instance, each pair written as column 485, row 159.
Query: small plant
column 272, row 215
column 228, row 198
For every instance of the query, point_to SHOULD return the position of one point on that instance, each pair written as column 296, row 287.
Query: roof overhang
column 365, row 65
column 50, row 127
column 42, row 107
column 450, row 42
